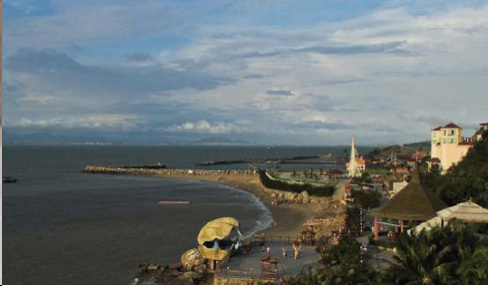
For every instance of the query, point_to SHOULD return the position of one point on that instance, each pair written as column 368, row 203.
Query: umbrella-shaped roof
column 467, row 211
column 413, row 202
column 217, row 229
column 427, row 225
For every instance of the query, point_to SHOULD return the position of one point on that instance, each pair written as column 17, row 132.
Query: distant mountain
column 405, row 150
column 219, row 140
column 47, row 138
column 418, row 145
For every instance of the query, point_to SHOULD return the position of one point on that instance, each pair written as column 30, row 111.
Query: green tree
column 467, row 180
column 344, row 263
column 448, row 255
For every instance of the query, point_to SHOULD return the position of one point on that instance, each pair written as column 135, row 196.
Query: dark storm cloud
column 390, row 47
column 64, row 73
column 140, row 57
column 253, row 76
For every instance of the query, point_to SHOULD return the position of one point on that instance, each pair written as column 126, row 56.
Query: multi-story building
column 448, row 145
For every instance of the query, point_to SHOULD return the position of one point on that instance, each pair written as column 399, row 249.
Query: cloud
column 282, row 92
column 203, row 126
column 141, row 57
column 64, row 73
column 93, row 121
column 374, row 75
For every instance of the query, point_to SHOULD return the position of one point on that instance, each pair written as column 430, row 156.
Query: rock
column 191, row 258
column 175, row 265
column 200, row 268
column 305, row 197
column 298, row 199
column 153, row 267
column 192, row 275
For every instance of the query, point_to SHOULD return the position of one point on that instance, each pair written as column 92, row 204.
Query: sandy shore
column 289, row 218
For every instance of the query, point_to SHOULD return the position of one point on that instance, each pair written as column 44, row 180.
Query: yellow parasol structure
column 213, row 236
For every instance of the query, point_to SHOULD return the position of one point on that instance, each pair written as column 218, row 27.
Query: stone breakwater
column 147, row 171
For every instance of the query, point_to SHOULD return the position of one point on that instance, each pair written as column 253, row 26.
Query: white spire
column 353, row 169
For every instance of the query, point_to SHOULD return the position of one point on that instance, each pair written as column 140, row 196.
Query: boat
column 171, row 202
column 8, row 179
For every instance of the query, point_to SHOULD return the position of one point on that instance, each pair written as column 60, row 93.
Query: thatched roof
column 413, row 202
column 467, row 211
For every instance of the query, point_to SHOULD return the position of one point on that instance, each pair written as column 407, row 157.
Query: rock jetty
column 124, row 170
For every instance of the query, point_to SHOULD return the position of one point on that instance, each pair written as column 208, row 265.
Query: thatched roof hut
column 413, row 202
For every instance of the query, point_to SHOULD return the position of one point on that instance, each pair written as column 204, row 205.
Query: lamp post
column 361, row 222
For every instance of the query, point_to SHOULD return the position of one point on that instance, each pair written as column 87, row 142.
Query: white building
column 448, row 145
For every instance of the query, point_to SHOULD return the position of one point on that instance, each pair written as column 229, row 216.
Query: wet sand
column 289, row 218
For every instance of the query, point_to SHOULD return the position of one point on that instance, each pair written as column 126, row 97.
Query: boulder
column 305, row 197
column 200, row 268
column 191, row 258
column 298, row 199
column 192, row 275
column 291, row 196
column 175, row 265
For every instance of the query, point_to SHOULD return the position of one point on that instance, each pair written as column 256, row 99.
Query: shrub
column 323, row 191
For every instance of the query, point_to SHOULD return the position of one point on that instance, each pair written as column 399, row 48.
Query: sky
column 267, row 72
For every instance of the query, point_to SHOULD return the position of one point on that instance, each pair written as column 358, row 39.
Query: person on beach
column 297, row 249
column 284, row 252
column 268, row 251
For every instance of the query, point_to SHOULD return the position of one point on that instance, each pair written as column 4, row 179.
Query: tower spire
column 353, row 169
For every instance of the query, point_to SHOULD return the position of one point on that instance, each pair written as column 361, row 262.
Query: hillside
column 467, row 180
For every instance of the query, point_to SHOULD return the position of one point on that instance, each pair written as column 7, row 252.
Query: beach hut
column 412, row 203
column 466, row 211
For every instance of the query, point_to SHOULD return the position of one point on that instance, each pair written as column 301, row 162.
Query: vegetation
column 366, row 199
column 467, row 180
column 323, row 191
column 454, row 254
column 352, row 218
column 345, row 263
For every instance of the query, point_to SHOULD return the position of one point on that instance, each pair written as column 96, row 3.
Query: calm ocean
column 61, row 226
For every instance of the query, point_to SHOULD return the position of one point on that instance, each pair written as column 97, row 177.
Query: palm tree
column 440, row 256
column 474, row 269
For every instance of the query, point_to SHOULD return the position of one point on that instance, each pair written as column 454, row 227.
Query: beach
column 289, row 218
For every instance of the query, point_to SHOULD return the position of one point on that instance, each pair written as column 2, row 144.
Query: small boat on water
column 171, row 202
column 8, row 179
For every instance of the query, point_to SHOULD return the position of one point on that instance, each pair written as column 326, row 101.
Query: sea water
column 62, row 226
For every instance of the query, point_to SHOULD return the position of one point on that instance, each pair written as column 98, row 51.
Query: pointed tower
column 353, row 169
